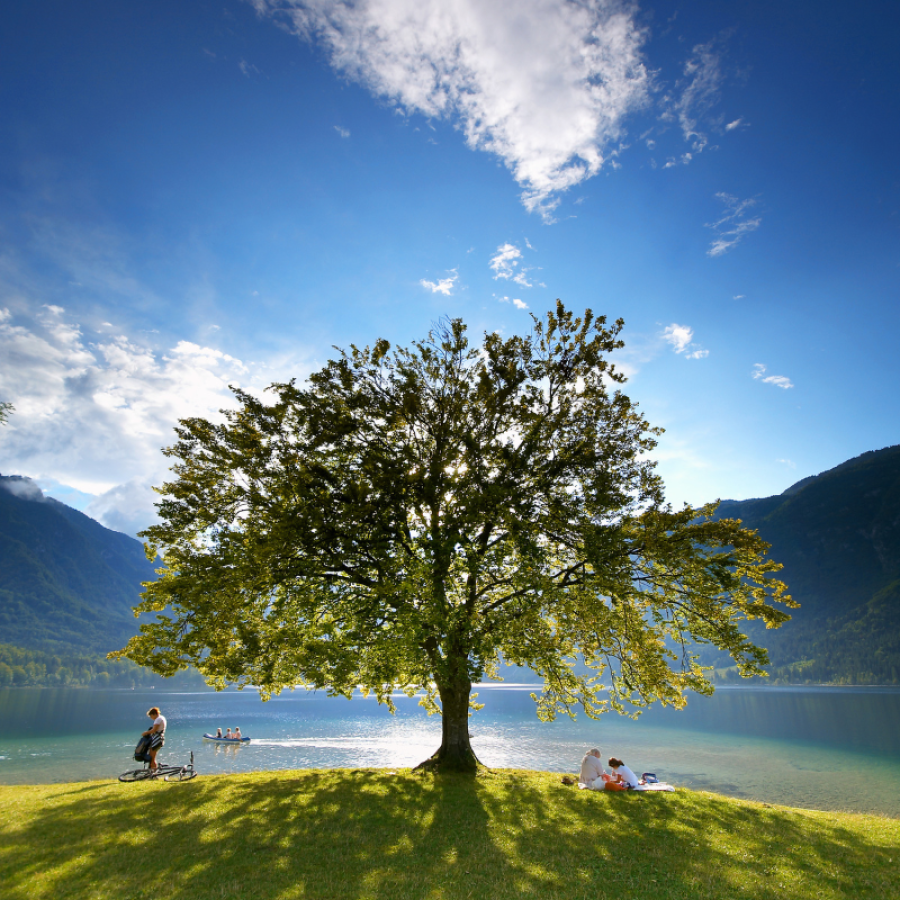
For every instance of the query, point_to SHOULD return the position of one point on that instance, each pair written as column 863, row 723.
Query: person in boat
column 237, row 734
column 218, row 732
column 228, row 734
column 157, row 735
column 592, row 769
column 623, row 778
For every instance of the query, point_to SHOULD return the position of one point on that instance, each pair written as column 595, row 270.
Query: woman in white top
column 623, row 778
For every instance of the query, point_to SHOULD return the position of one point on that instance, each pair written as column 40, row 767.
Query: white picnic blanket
column 599, row 785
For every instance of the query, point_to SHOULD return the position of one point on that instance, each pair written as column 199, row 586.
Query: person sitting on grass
column 157, row 735
column 623, row 778
column 592, row 769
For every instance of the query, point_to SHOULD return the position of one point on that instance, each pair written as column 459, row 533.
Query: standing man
column 156, row 733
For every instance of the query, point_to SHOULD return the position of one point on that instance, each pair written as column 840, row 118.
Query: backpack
column 140, row 751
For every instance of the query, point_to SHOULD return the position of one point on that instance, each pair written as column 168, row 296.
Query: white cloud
column 505, row 265
column 782, row 381
column 506, row 259
column 788, row 462
column 681, row 338
column 343, row 132
column 732, row 227
column 543, row 84
column 520, row 304
column 738, row 296
column 94, row 415
column 444, row 286
column 248, row 69
column 521, row 278
column 735, row 124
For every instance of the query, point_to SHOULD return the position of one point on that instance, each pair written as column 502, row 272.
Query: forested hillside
column 838, row 536
column 66, row 582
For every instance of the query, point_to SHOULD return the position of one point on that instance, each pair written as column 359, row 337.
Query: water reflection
column 225, row 749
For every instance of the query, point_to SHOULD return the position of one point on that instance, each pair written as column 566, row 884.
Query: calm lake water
column 826, row 748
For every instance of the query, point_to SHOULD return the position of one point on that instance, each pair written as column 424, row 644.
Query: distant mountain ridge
column 66, row 582
column 838, row 536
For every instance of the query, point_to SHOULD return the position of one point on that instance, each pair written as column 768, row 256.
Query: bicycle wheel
column 186, row 773
column 136, row 775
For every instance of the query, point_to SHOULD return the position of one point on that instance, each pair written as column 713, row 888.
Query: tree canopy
column 410, row 517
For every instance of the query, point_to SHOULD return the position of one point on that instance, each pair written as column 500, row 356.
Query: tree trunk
column 455, row 753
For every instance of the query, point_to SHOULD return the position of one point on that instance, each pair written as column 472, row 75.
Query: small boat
column 225, row 740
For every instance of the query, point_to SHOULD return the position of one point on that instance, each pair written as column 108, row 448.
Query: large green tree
column 411, row 517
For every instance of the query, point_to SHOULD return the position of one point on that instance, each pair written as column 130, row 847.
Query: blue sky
column 199, row 194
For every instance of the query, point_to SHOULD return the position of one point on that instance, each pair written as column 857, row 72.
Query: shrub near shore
column 341, row 834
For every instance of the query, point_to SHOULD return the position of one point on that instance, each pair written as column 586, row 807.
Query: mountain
column 838, row 536
column 66, row 582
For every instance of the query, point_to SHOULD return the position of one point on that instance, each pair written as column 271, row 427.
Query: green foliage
column 409, row 516
column 5, row 410
column 838, row 536
column 320, row 835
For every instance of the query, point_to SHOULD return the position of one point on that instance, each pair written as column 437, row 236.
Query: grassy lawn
column 355, row 834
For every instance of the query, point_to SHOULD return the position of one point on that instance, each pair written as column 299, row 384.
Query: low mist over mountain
column 66, row 582
column 838, row 537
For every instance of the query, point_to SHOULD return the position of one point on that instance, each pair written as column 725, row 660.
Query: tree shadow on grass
column 370, row 834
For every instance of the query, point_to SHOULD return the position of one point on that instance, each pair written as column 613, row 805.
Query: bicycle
column 167, row 773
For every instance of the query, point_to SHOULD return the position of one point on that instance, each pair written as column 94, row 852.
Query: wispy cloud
column 681, row 338
column 506, row 265
column 343, row 132
column 700, row 91
column 444, row 286
column 505, row 260
column 520, row 304
column 733, row 225
column 543, row 84
column 521, row 278
column 735, row 124
column 787, row 462
column 248, row 69
column 782, row 381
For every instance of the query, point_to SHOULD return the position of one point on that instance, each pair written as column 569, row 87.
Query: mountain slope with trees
column 66, row 582
column 838, row 536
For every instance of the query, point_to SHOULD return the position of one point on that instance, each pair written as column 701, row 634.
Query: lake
column 825, row 748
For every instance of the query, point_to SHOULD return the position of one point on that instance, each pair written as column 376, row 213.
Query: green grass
column 355, row 834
